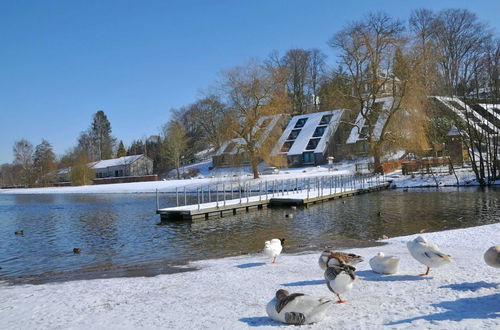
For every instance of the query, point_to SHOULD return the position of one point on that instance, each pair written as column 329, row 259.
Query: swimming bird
column 77, row 250
column 384, row 265
column 273, row 248
column 339, row 278
column 427, row 253
column 19, row 232
column 297, row 308
column 492, row 256
column 342, row 257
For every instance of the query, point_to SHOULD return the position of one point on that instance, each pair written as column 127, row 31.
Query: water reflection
column 122, row 230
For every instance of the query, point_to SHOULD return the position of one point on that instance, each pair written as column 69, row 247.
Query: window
column 319, row 131
column 265, row 122
column 286, row 146
column 308, row 158
column 313, row 143
column 293, row 134
column 300, row 123
column 325, row 120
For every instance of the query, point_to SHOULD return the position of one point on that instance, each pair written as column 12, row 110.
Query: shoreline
column 232, row 292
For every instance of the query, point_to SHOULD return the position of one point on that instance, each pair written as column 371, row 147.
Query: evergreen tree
column 100, row 132
column 121, row 150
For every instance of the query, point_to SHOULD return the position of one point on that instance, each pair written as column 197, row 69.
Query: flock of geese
column 339, row 272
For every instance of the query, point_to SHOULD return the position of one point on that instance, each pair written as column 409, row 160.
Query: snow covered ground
column 241, row 175
column 232, row 293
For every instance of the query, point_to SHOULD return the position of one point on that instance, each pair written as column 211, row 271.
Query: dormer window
column 286, row 146
column 319, row 131
column 313, row 143
column 293, row 134
column 325, row 120
column 300, row 123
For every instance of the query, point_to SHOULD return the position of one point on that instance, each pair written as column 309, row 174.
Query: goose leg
column 426, row 273
column 340, row 301
column 274, row 260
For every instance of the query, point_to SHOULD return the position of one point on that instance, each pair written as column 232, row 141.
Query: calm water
column 120, row 235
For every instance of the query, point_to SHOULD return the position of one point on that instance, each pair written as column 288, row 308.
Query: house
column 231, row 153
column 136, row 165
column 484, row 118
column 357, row 143
column 306, row 139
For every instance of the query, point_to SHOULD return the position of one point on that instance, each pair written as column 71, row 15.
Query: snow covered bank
column 243, row 174
column 232, row 293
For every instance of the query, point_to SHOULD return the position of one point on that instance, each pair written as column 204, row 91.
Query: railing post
column 224, row 192
column 209, row 197
column 202, row 195
column 260, row 191
column 185, row 198
column 217, row 195
column 248, row 192
column 232, row 190
column 177, row 196
column 239, row 189
column 265, row 183
column 308, row 188
column 157, row 201
column 198, row 197
column 331, row 184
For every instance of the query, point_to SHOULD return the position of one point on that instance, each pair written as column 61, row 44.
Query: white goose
column 273, row 248
column 297, row 308
column 341, row 257
column 339, row 278
column 492, row 256
column 427, row 253
column 384, row 265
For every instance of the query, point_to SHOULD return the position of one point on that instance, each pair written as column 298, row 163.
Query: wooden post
column 157, row 201
column 224, row 192
column 198, row 197
column 266, row 189
column 185, row 198
column 177, row 196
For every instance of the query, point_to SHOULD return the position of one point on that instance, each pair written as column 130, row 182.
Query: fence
column 245, row 192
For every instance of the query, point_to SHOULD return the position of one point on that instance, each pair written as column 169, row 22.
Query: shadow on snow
column 300, row 283
column 466, row 286
column 259, row 321
column 251, row 264
column 485, row 307
column 368, row 275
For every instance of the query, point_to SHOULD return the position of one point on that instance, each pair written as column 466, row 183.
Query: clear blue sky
column 61, row 61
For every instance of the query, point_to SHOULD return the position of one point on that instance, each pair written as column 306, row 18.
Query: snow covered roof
column 115, row 162
column 233, row 146
column 309, row 132
column 485, row 118
column 354, row 136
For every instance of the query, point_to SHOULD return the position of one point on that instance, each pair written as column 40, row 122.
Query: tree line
column 449, row 53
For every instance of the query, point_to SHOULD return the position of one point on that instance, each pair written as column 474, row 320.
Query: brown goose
column 342, row 257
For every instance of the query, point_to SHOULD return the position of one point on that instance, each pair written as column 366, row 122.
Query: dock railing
column 219, row 194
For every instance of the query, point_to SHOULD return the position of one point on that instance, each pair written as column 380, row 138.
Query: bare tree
column 460, row 40
column 371, row 52
column 23, row 156
column 253, row 92
column 44, row 161
column 174, row 144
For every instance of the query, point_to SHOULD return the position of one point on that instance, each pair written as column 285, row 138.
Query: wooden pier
column 233, row 206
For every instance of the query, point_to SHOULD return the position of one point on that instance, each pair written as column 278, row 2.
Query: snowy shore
column 465, row 177
column 231, row 293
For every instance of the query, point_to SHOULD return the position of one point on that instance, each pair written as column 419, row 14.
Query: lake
column 120, row 234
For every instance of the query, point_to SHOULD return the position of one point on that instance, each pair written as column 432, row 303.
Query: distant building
column 357, row 142
column 136, row 165
column 231, row 153
column 307, row 138
column 304, row 140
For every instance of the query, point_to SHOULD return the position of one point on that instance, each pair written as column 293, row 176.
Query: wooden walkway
column 234, row 206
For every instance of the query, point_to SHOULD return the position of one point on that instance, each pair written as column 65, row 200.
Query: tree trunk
column 377, row 164
column 254, row 163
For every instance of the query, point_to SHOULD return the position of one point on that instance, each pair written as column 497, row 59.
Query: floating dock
column 300, row 197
